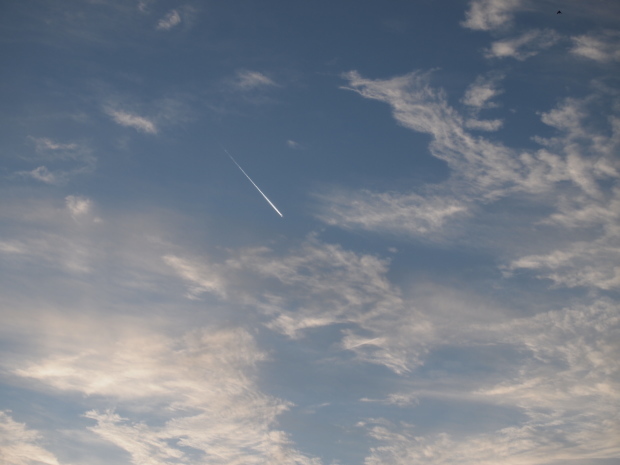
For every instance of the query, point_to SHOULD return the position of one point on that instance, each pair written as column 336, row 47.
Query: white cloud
column 480, row 93
column 42, row 174
column 590, row 264
column 131, row 120
column 169, row 21
column 569, row 173
column 44, row 144
column 293, row 145
column 490, row 169
column 524, row 46
column 189, row 397
column 143, row 5
column 602, row 47
column 484, row 125
column 59, row 156
column 390, row 211
column 487, row 15
column 248, row 80
column 202, row 277
column 478, row 96
column 566, row 389
column 20, row 445
column 77, row 205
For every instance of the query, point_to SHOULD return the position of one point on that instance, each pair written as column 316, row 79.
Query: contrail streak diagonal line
column 253, row 183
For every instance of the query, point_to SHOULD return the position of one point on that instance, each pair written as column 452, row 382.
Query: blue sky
column 441, row 289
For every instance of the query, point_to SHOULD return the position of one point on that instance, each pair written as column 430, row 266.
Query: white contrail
column 257, row 188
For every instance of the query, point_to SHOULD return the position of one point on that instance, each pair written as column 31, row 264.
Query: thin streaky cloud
column 482, row 91
column 131, row 120
column 602, row 47
column 486, row 15
column 248, row 80
column 41, row 173
column 524, row 46
column 201, row 277
column 389, row 211
column 78, row 205
column 182, row 402
column 172, row 19
column 484, row 125
column 44, row 144
column 19, row 445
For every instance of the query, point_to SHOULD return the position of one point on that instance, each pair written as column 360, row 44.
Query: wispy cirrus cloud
column 132, row 120
column 569, row 173
column 154, row 392
column 41, row 173
column 163, row 392
column 294, row 145
column 566, row 417
column 479, row 96
column 249, row 80
column 170, row 20
column 485, row 15
column 63, row 161
column 581, row 264
column 526, row 45
column 199, row 275
column 391, row 212
column 78, row 205
column 602, row 47
column 216, row 414
column 20, row 445
column 482, row 91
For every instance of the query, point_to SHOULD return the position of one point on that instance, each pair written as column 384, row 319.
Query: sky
column 310, row 232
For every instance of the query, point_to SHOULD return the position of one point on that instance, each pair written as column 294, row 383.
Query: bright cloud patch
column 197, row 395
column 487, row 15
column 131, row 120
column 524, row 46
column 567, row 416
column 247, row 80
column 481, row 92
column 20, row 445
column 200, row 276
column 399, row 213
column 169, row 21
column 62, row 161
column 604, row 47
column 42, row 174
column 77, row 205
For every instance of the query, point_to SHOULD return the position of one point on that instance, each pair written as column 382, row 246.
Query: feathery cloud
column 485, row 15
column 169, row 21
column 216, row 413
column 20, row 445
column 602, row 47
column 564, row 388
column 390, row 212
column 41, row 173
column 524, row 46
column 77, row 205
column 201, row 277
column 65, row 160
column 482, row 91
column 132, row 120
column 248, row 80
